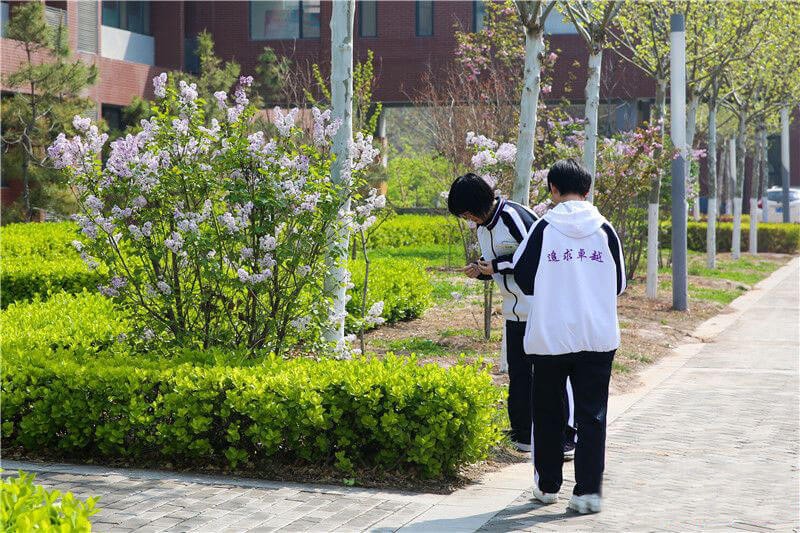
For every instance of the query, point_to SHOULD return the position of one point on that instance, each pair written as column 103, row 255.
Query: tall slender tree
column 532, row 14
column 47, row 91
column 592, row 20
column 342, row 103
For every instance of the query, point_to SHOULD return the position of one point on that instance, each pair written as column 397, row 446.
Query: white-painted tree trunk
column 691, row 128
column 711, row 229
column 529, row 101
column 590, row 113
column 738, row 194
column 764, row 176
column 342, row 103
column 785, row 166
column 755, row 180
column 736, row 239
column 653, row 202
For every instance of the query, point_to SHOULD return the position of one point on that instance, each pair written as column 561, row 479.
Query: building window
column 284, row 19
column 478, row 15
column 368, row 18
column 3, row 18
column 131, row 16
column 424, row 18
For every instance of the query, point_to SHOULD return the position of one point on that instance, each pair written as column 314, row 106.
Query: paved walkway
column 709, row 442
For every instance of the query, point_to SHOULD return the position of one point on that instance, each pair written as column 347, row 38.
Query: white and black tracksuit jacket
column 571, row 269
column 499, row 238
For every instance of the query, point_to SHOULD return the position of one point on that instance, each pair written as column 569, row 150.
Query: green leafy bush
column 26, row 277
column 48, row 240
column 29, row 507
column 408, row 230
column 772, row 238
column 403, row 286
column 80, row 322
column 392, row 414
column 418, row 180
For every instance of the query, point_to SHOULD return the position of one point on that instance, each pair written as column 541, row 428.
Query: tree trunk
column 756, row 176
column 764, row 176
column 738, row 194
column 342, row 103
column 691, row 128
column 785, row 156
column 652, row 207
column 590, row 113
column 534, row 46
column 711, row 230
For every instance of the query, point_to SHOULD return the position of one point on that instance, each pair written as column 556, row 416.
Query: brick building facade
column 131, row 42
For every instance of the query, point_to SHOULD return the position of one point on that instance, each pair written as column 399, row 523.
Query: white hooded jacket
column 571, row 268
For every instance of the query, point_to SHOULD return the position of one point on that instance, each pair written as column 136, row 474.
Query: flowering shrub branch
column 211, row 235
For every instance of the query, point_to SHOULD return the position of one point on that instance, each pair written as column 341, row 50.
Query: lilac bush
column 213, row 236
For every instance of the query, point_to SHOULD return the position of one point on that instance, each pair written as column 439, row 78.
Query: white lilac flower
column 181, row 125
column 268, row 243
column 506, row 153
column 78, row 245
column 164, row 287
column 81, row 124
column 108, row 291
column 303, row 270
column 482, row 159
column 480, row 141
column 175, row 243
column 246, row 253
column 221, row 97
column 286, row 122
column 188, row 92
column 160, row 85
column 301, row 322
column 244, row 277
column 118, row 282
column 148, row 334
column 229, row 222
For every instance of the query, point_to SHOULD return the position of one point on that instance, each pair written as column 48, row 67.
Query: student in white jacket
column 502, row 225
column 571, row 267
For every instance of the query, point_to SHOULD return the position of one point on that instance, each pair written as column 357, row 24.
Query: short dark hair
column 569, row 177
column 470, row 193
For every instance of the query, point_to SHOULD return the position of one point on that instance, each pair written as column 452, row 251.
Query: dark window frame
column 299, row 23
column 361, row 15
column 475, row 4
column 417, row 4
column 122, row 7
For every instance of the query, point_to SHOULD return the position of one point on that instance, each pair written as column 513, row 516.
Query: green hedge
column 25, row 278
column 408, row 230
column 772, row 238
column 403, row 285
column 28, row 507
column 362, row 413
column 47, row 240
column 84, row 322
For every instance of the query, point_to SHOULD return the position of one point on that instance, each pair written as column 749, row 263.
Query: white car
column 775, row 205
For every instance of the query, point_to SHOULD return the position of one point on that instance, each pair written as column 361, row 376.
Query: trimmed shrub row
column 772, row 238
column 47, row 240
column 403, row 285
column 408, row 230
column 25, row 278
column 28, row 507
column 393, row 414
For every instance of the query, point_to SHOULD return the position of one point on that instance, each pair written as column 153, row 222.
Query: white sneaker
column 544, row 497
column 586, row 503
column 521, row 446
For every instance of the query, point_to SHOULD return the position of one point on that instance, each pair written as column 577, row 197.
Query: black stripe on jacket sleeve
column 513, row 228
column 528, row 217
column 526, row 259
column 615, row 247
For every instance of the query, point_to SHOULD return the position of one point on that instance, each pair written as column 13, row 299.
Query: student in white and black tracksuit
column 571, row 265
column 502, row 225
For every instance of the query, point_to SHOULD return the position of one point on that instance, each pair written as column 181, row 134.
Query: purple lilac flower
column 160, row 85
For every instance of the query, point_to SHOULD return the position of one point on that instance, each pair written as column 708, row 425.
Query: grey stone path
column 709, row 442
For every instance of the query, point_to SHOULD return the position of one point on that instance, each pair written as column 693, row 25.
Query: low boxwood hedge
column 25, row 506
column 46, row 240
column 403, row 285
column 772, row 238
column 409, row 230
column 28, row 277
column 362, row 413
